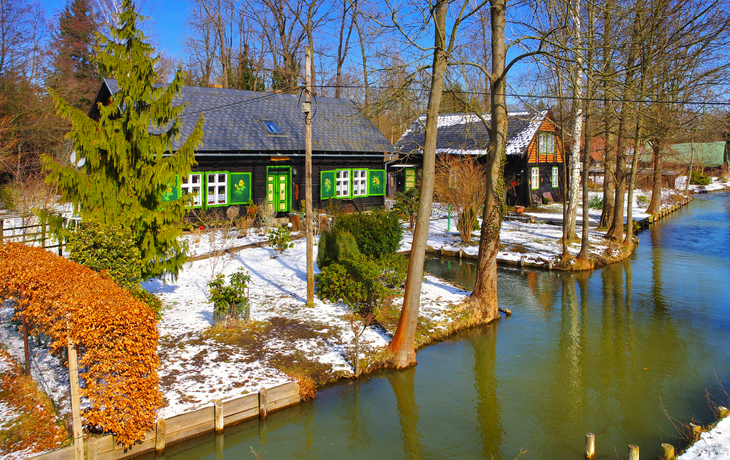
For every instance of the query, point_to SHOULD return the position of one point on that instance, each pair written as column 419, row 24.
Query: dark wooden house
column 534, row 168
column 253, row 150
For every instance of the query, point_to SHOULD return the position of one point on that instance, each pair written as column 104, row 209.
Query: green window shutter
column 240, row 188
column 327, row 185
column 376, row 182
column 410, row 178
column 172, row 192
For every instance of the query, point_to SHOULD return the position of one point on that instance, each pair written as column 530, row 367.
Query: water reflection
column 599, row 352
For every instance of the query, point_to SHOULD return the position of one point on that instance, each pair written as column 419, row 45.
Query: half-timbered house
column 534, row 168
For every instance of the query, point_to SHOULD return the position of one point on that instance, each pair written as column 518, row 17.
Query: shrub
column 467, row 222
column 334, row 283
column 107, row 247
column 362, row 281
column 406, row 204
column 377, row 233
column 280, row 239
column 229, row 301
column 149, row 299
column 335, row 245
column 642, row 201
column 700, row 178
column 595, row 203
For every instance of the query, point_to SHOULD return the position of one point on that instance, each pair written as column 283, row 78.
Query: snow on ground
column 713, row 445
column 195, row 369
column 198, row 366
column 718, row 183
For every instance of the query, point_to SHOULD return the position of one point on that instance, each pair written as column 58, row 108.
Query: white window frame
column 342, row 183
column 192, row 184
column 546, row 144
column 555, row 177
column 535, row 179
column 359, row 182
column 217, row 188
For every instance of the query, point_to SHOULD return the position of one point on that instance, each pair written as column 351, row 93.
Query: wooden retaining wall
column 188, row 425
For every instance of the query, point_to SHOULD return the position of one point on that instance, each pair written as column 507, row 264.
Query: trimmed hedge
column 116, row 335
column 377, row 233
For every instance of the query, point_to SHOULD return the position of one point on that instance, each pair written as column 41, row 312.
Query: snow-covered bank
column 712, row 445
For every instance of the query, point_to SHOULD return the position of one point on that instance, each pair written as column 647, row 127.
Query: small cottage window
column 360, row 182
column 546, row 145
column 217, row 189
column 555, row 177
column 191, row 185
column 535, row 179
column 342, row 183
column 272, row 127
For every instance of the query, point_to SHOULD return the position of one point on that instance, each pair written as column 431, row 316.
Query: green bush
column 595, row 203
column 642, row 201
column 107, row 247
column 334, row 283
column 229, row 301
column 335, row 245
column 362, row 281
column 700, row 178
column 152, row 301
column 280, row 238
column 377, row 233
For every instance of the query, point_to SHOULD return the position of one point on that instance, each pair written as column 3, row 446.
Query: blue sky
column 165, row 26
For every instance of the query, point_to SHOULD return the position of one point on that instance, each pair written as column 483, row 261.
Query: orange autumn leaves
column 116, row 335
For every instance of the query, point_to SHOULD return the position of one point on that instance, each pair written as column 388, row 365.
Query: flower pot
column 294, row 221
column 519, row 209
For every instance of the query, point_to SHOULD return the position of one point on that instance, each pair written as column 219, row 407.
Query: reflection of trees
column 657, row 286
column 405, row 395
column 357, row 436
column 485, row 382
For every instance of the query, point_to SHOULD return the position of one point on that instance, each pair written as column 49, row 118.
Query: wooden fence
column 28, row 234
column 190, row 424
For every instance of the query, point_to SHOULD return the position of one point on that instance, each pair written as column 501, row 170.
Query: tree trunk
column 575, row 15
column 483, row 298
column 656, row 184
column 587, row 134
column 402, row 345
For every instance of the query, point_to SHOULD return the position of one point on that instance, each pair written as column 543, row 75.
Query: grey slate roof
column 233, row 122
column 465, row 134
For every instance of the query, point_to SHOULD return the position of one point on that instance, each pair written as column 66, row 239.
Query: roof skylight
column 272, row 127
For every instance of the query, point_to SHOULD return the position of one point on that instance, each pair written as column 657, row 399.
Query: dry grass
column 38, row 428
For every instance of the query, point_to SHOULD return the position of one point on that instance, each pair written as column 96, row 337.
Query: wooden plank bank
column 213, row 417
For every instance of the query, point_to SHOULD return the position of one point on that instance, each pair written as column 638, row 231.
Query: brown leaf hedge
column 115, row 334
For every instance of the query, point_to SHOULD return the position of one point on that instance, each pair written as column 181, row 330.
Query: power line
column 533, row 96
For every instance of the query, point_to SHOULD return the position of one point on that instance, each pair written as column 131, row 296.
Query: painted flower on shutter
column 327, row 185
column 376, row 181
column 240, row 187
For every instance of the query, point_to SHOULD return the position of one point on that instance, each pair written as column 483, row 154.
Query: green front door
column 278, row 191
column 410, row 178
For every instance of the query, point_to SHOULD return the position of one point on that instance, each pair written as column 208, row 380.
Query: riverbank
column 286, row 341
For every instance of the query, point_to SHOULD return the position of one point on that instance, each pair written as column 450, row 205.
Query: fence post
column 218, row 415
column 667, row 451
column 590, row 446
column 43, row 235
column 73, row 368
column 262, row 402
column 160, row 435
column 633, row 452
column 696, row 431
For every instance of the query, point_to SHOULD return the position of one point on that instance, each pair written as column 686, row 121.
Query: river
column 625, row 352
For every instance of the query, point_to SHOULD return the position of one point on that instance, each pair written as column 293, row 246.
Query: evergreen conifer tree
column 128, row 151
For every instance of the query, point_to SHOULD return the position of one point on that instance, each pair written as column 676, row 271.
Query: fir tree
column 128, row 166
column 75, row 76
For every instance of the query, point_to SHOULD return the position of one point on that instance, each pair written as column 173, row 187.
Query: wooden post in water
column 633, row 452
column 590, row 446
column 73, row 369
column 262, row 402
column 160, row 436
column 696, row 431
column 721, row 412
column 218, row 414
column 667, row 451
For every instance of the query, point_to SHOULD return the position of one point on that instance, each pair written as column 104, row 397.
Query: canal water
column 625, row 352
